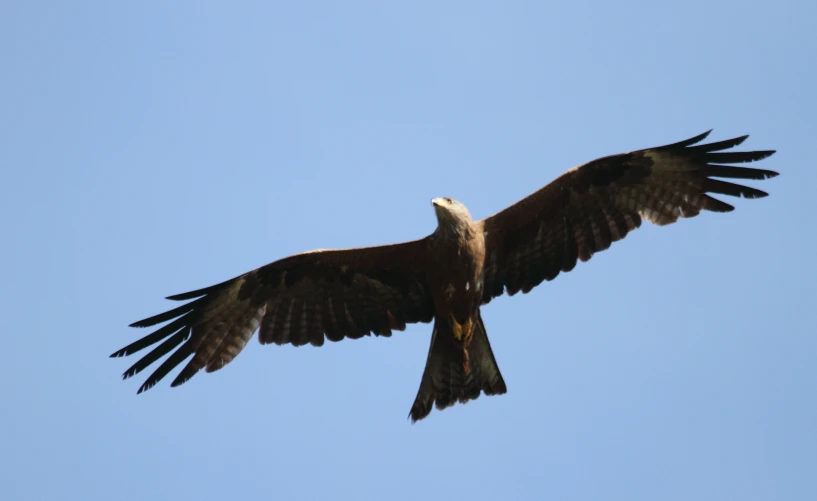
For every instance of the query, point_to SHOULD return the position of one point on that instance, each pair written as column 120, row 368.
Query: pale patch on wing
column 268, row 322
column 235, row 341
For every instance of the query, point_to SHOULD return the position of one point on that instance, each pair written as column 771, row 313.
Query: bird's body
column 459, row 249
column 460, row 362
column 447, row 276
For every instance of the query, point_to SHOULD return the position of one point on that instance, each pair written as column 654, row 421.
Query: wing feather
column 302, row 299
column 589, row 207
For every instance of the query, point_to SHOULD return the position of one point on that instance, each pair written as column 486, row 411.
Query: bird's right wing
column 301, row 299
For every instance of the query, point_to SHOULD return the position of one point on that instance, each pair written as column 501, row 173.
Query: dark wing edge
column 302, row 299
column 589, row 207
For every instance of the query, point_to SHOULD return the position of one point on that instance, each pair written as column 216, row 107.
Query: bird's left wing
column 589, row 207
column 301, row 299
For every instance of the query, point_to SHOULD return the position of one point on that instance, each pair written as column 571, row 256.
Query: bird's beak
column 437, row 202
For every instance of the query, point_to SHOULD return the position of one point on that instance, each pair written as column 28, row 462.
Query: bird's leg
column 463, row 333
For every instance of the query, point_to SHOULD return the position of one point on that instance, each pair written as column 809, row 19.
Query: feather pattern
column 302, row 299
column 445, row 382
column 589, row 207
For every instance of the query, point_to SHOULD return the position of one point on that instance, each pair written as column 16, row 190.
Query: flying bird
column 447, row 276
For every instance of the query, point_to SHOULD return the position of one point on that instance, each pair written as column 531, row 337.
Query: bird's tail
column 453, row 374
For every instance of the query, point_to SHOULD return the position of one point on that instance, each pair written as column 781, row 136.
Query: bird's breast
column 457, row 279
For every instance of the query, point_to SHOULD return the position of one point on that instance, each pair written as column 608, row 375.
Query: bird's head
column 450, row 212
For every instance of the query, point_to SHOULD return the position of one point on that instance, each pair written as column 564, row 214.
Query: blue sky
column 151, row 148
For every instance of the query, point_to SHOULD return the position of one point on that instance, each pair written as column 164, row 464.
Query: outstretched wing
column 589, row 207
column 300, row 299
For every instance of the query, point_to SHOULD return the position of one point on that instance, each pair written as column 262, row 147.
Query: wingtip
column 767, row 153
column 179, row 381
column 685, row 143
column 761, row 154
column 118, row 353
column 184, row 296
column 696, row 139
column 740, row 139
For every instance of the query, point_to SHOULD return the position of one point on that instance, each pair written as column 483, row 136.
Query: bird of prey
column 448, row 275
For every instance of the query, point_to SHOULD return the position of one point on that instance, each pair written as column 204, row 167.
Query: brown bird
column 448, row 275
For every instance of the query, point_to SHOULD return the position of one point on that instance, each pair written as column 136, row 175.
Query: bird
column 447, row 276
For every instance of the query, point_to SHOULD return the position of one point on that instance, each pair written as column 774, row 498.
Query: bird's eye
column 448, row 200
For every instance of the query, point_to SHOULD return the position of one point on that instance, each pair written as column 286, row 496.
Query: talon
column 461, row 331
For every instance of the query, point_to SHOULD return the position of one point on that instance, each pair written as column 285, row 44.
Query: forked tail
column 451, row 376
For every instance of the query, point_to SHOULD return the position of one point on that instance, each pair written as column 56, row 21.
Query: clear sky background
column 150, row 148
